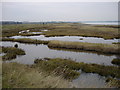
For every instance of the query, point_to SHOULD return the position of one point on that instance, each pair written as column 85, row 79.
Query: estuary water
column 71, row 38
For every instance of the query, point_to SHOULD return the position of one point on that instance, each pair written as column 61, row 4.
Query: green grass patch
column 96, row 47
column 116, row 61
column 11, row 52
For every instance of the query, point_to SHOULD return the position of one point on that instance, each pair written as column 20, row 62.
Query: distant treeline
column 10, row 22
column 25, row 22
column 13, row 22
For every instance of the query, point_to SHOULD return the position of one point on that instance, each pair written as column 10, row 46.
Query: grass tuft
column 116, row 61
column 59, row 66
column 11, row 52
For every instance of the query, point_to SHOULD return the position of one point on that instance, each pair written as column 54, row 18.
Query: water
column 102, row 22
column 42, row 51
column 88, row 80
column 71, row 38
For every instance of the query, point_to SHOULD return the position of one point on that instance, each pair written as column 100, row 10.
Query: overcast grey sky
column 60, row 11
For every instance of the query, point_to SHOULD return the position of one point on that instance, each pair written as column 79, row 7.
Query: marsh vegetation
column 11, row 52
column 51, row 64
column 26, row 40
column 63, row 29
column 22, row 76
column 53, row 70
column 116, row 61
column 58, row 72
column 98, row 47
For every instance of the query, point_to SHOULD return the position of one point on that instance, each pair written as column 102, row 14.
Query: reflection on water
column 90, row 80
column 71, row 38
column 42, row 51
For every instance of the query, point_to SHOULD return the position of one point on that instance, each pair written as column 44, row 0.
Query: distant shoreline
column 82, row 22
column 102, row 23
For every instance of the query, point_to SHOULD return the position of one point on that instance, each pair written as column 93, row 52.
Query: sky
column 59, row 11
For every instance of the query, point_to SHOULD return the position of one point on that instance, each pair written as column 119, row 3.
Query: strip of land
column 64, row 29
column 97, row 47
column 26, row 40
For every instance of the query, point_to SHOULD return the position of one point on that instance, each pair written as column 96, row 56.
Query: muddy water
column 71, row 38
column 88, row 80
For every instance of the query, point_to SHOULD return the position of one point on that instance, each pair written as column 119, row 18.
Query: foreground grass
column 11, row 52
column 22, row 76
column 0, row 72
column 64, row 29
column 116, row 61
column 52, row 73
column 97, row 47
column 113, row 82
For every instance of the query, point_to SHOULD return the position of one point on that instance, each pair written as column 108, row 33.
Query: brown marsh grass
column 64, row 29
column 23, row 76
column 97, row 47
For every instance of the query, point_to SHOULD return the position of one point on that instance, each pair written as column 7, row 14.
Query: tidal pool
column 71, row 38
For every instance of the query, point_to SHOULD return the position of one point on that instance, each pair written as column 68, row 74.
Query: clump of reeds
column 101, row 69
column 116, row 61
column 113, row 82
column 11, row 52
column 97, row 47
column 66, row 68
